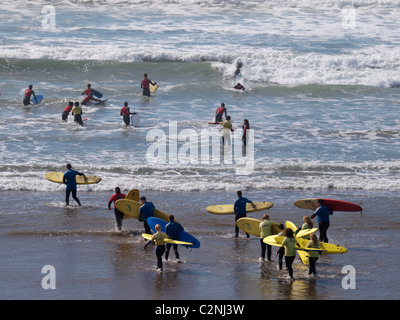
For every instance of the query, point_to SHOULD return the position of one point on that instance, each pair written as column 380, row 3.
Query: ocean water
column 322, row 98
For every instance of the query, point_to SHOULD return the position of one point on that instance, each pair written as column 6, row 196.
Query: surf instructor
column 69, row 179
column 323, row 212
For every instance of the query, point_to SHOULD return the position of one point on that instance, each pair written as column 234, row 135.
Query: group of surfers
column 287, row 251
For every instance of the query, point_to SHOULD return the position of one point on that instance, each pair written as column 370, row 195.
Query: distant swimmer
column 27, row 97
column 125, row 113
column 89, row 95
column 66, row 111
column 239, row 65
column 77, row 113
column 220, row 112
column 119, row 216
column 146, row 85
column 69, row 179
column 239, row 87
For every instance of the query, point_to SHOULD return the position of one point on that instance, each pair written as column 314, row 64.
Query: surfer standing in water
column 125, row 113
column 66, row 111
column 220, row 112
column 146, row 85
column 27, row 97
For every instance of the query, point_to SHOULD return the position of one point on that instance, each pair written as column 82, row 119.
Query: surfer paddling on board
column 69, row 178
column 220, row 112
column 119, row 216
column 239, row 86
column 323, row 212
column 126, row 113
column 146, row 85
column 146, row 211
column 89, row 95
column 240, row 211
column 27, row 97
column 172, row 230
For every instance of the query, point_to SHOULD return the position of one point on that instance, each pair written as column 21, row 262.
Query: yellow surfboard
column 302, row 254
column 252, row 226
column 228, row 208
column 149, row 236
column 278, row 240
column 131, row 208
column 57, row 177
column 153, row 88
column 133, row 195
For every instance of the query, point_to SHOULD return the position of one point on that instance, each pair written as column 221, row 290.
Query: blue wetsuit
column 172, row 230
column 240, row 212
column 323, row 213
column 69, row 178
column 146, row 211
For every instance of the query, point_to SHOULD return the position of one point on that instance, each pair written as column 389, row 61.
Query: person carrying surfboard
column 266, row 231
column 289, row 243
column 119, row 216
column 240, row 211
column 220, row 112
column 172, row 230
column 313, row 255
column 146, row 211
column 323, row 212
column 27, row 96
column 125, row 113
column 69, row 178
column 146, row 85
column 159, row 238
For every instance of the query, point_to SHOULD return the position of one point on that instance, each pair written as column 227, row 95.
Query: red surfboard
column 335, row 205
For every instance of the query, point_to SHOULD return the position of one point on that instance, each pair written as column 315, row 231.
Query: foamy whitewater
column 322, row 96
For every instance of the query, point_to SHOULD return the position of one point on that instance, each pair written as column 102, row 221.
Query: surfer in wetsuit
column 220, row 112
column 159, row 238
column 323, row 212
column 27, row 97
column 265, row 231
column 125, row 113
column 69, row 178
column 146, row 85
column 89, row 95
column 66, row 111
column 240, row 211
column 172, row 230
column 239, row 65
column 239, row 86
column 77, row 113
column 119, row 216
column 146, row 211
column 226, row 131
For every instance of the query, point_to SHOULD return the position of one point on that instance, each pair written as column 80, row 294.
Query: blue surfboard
column 96, row 93
column 183, row 235
column 39, row 99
